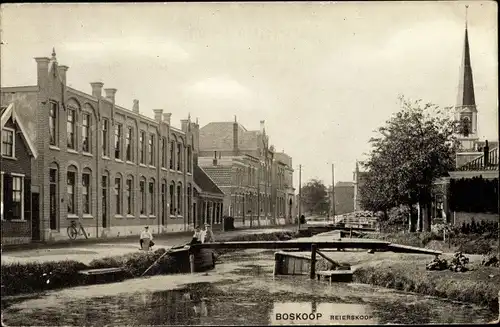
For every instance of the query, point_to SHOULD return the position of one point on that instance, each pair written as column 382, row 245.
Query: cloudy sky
column 323, row 76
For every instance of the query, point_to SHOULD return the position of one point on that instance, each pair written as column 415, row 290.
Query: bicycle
column 74, row 230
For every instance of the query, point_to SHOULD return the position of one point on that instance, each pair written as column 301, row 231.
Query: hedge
column 474, row 195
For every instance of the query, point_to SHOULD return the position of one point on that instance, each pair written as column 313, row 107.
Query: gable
column 10, row 119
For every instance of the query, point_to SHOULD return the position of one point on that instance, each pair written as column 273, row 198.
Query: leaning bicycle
column 76, row 229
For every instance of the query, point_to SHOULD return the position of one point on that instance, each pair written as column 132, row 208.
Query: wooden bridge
column 307, row 245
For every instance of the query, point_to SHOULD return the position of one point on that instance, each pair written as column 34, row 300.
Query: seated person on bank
column 146, row 234
column 208, row 235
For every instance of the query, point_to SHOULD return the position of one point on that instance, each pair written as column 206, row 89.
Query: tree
column 415, row 147
column 315, row 196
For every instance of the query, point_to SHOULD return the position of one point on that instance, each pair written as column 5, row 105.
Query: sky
column 322, row 75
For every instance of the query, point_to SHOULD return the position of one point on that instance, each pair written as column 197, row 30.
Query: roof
column 204, row 182
column 466, row 95
column 344, row 184
column 219, row 136
column 220, row 175
column 9, row 112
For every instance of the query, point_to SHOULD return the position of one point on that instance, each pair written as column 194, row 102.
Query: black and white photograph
column 249, row 163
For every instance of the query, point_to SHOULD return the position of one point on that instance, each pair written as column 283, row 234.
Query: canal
column 241, row 290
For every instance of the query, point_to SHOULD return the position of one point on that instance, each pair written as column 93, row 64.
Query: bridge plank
column 100, row 271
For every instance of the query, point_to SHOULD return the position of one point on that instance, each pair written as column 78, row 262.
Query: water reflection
column 236, row 293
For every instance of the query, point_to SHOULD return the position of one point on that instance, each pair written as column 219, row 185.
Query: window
column 118, row 195
column 151, row 150
column 179, row 156
column 189, row 159
column 8, row 143
column 172, row 149
column 1, row 196
column 53, row 123
column 70, row 126
column 71, row 179
column 104, row 186
column 189, row 203
column 141, row 147
column 86, row 193
column 152, row 198
column 118, row 140
column 164, row 152
column 142, row 190
column 130, row 196
column 179, row 199
column 105, row 137
column 86, row 137
column 128, row 144
column 172, row 203
column 17, row 198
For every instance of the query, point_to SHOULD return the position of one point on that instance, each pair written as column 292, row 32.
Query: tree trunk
column 428, row 217
column 419, row 217
column 412, row 219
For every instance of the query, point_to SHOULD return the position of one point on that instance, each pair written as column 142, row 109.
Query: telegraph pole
column 300, row 194
column 333, row 193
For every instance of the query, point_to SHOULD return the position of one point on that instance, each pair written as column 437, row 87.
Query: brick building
column 17, row 155
column 112, row 169
column 344, row 197
column 208, row 200
column 247, row 170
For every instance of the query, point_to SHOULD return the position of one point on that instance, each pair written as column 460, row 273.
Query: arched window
column 71, row 189
column 172, row 202
column 152, row 199
column 86, row 132
column 164, row 152
column 179, row 199
column 71, row 128
column 172, row 154
column 189, row 160
column 142, row 195
column 129, row 144
column 189, row 203
column 163, row 205
column 86, row 191
column 53, row 194
column 118, row 195
column 179, row 156
column 129, row 195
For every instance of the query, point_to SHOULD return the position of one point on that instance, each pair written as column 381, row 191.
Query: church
column 470, row 192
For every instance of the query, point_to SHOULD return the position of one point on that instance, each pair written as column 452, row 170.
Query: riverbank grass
column 480, row 285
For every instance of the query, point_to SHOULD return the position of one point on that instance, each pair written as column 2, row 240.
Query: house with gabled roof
column 18, row 210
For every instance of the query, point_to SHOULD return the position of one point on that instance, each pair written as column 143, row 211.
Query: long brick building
column 112, row 169
column 257, row 181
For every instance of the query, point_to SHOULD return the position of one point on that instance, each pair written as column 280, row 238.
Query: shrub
column 29, row 277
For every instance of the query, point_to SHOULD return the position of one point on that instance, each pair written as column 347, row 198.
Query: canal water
column 240, row 291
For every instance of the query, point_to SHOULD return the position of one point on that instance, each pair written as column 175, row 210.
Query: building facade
column 344, row 197
column 358, row 181
column 108, row 168
column 18, row 210
column 208, row 200
column 247, row 170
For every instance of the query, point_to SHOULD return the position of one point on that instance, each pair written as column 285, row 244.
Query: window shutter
column 27, row 198
column 7, row 194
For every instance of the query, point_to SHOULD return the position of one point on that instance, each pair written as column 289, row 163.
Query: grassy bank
column 20, row 278
column 470, row 244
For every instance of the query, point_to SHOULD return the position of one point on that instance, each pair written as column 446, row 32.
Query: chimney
column 486, row 150
column 135, row 107
column 62, row 72
column 235, row 137
column 215, row 158
column 42, row 64
column 262, row 128
column 110, row 94
column 97, row 89
column 158, row 114
column 184, row 125
column 166, row 117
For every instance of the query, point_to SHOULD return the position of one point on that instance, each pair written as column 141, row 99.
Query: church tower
column 465, row 108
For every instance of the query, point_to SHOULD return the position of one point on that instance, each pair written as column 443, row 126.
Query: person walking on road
column 146, row 235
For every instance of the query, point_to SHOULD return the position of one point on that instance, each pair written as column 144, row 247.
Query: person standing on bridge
column 197, row 236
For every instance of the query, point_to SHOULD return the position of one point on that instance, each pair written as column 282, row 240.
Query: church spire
column 466, row 97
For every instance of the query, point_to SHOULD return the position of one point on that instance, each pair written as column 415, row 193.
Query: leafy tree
column 315, row 196
column 415, row 147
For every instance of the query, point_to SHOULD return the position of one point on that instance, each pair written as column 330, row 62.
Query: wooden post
column 277, row 265
column 313, row 260
column 191, row 263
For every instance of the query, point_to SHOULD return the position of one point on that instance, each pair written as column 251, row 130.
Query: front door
column 35, row 217
column 104, row 202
